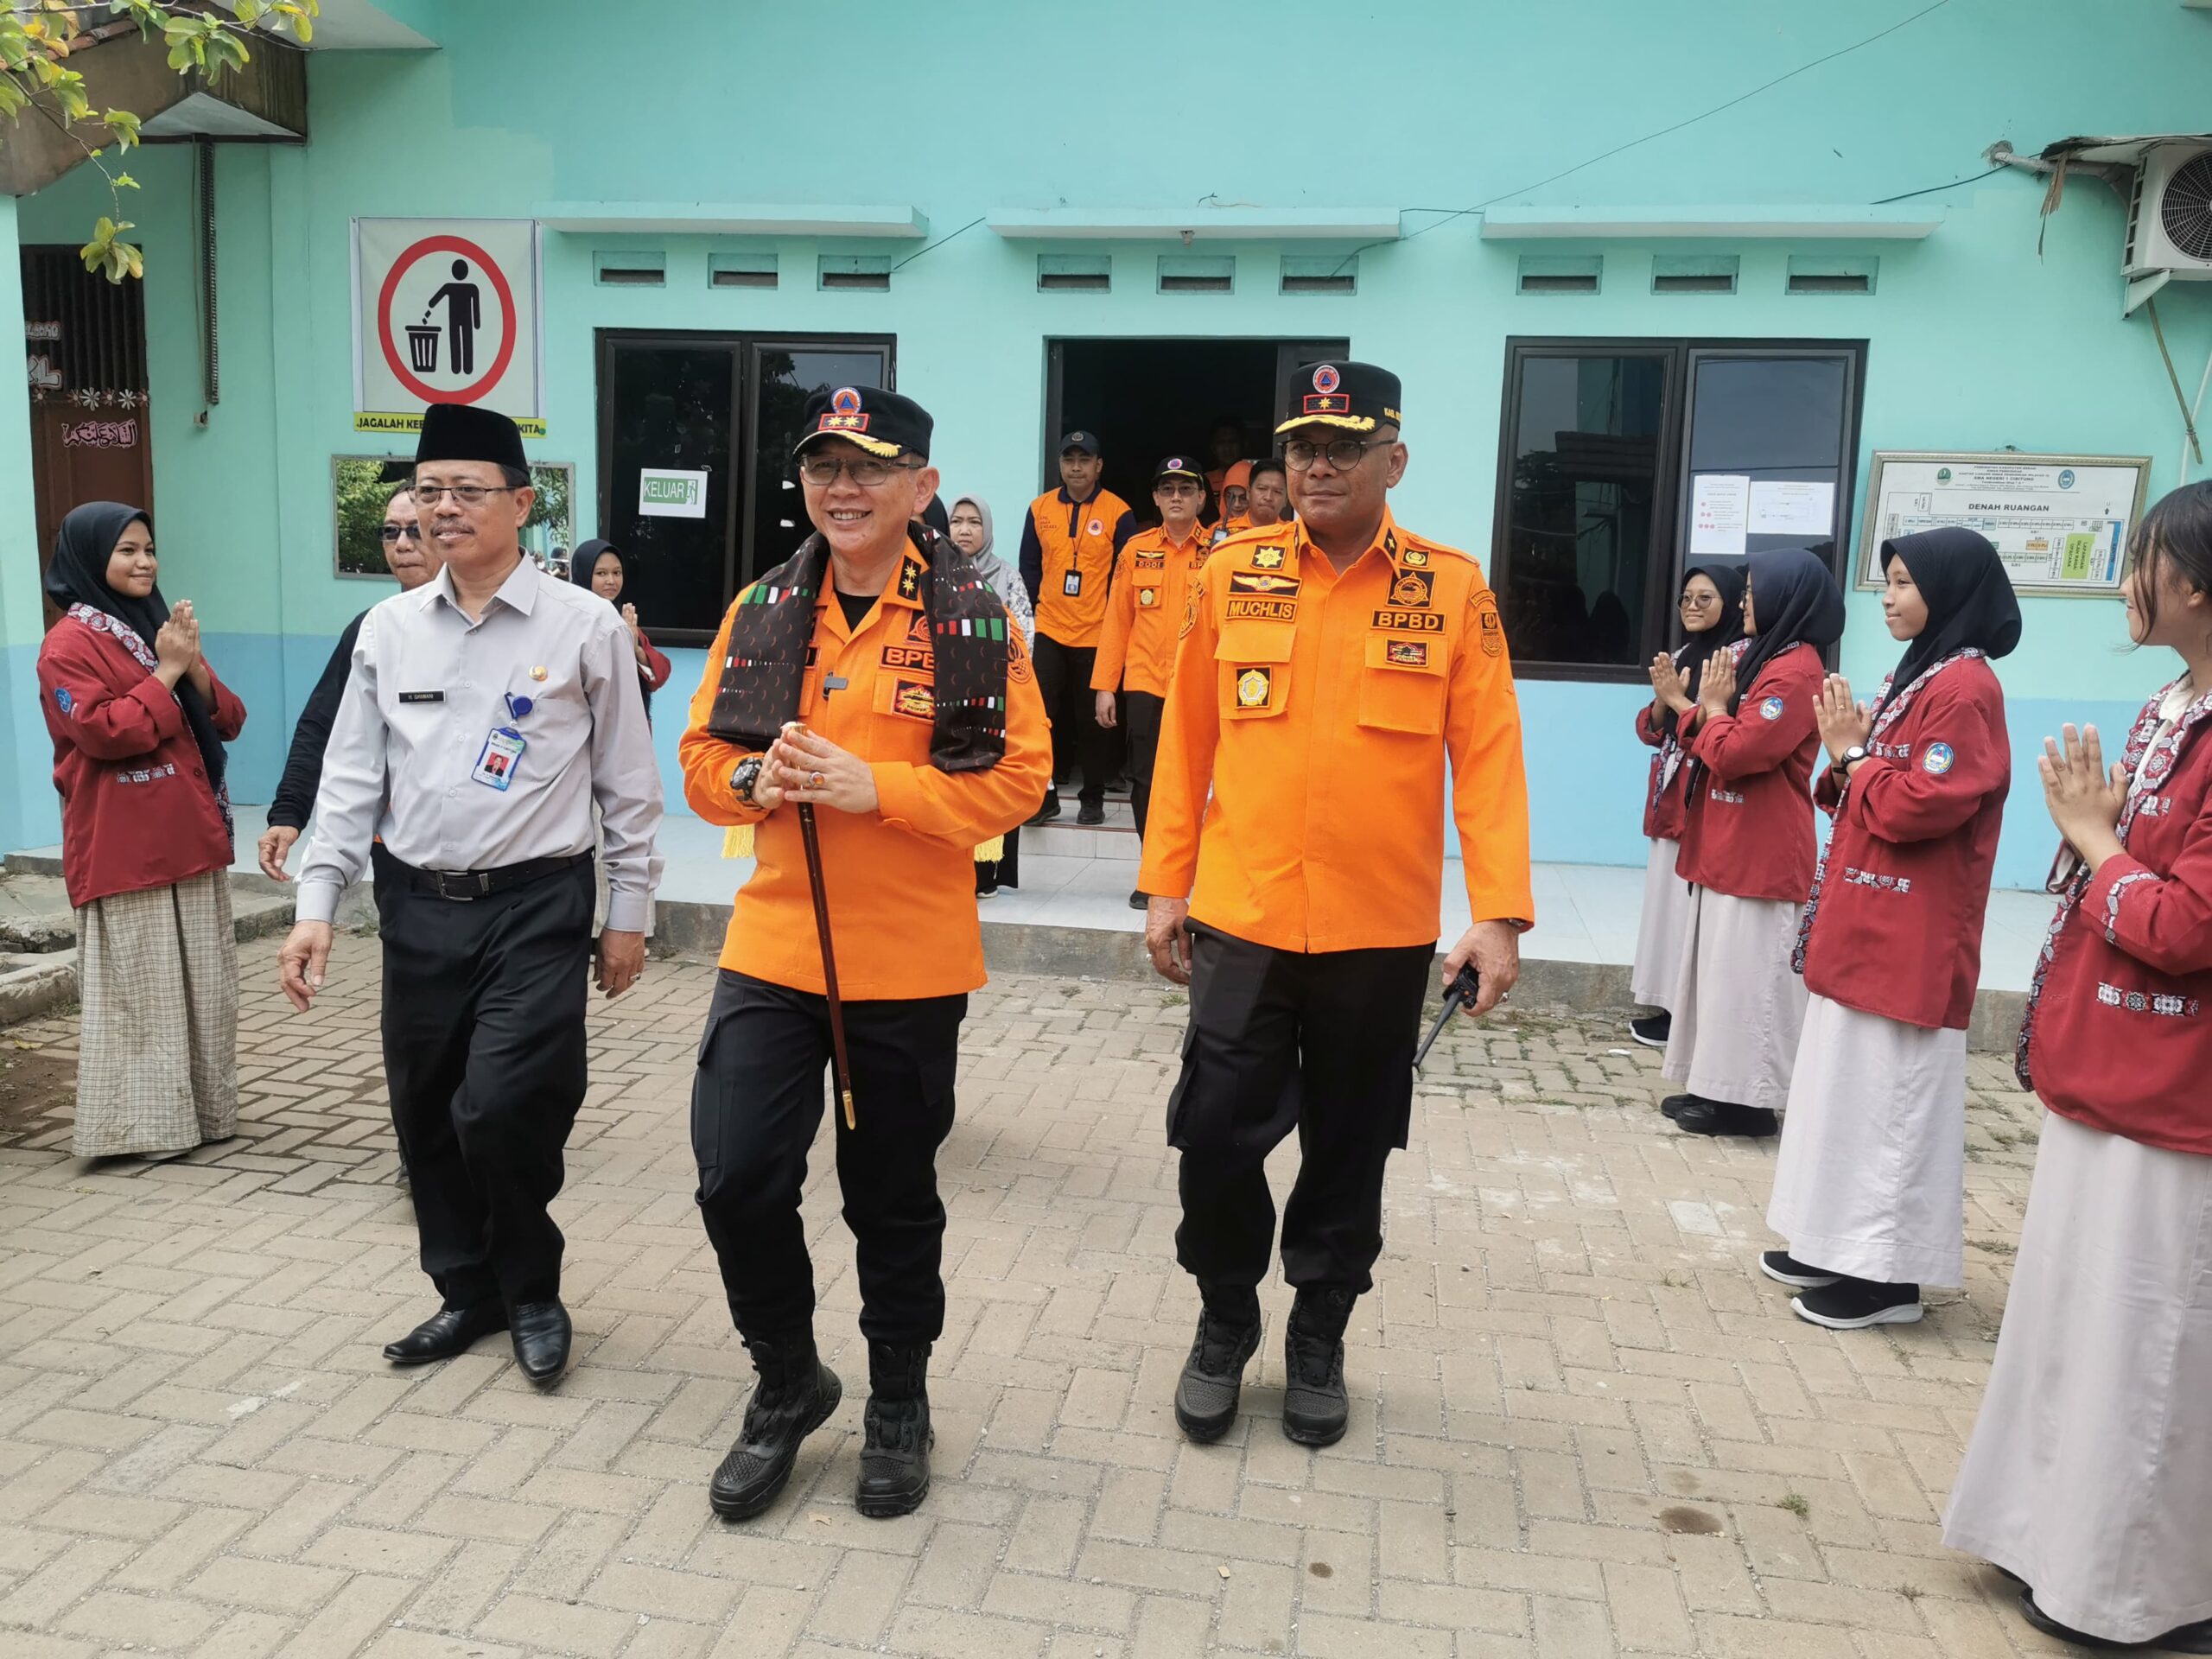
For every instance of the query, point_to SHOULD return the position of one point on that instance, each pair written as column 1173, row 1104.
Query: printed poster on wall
column 2060, row 523
column 446, row 310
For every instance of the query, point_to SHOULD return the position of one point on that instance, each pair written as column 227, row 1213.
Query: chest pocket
column 1401, row 684
column 1254, row 668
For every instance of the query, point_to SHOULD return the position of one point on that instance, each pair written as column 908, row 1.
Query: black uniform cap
column 1178, row 466
column 884, row 424
column 1086, row 442
column 1356, row 396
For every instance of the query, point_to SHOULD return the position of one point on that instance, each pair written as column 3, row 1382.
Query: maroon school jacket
column 2118, row 1031
column 1663, row 807
column 1895, row 925
column 138, row 810
column 1748, row 827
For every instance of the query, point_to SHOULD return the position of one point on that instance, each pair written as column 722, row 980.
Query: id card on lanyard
column 501, row 756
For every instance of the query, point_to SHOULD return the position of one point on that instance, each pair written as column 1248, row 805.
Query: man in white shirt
column 486, row 714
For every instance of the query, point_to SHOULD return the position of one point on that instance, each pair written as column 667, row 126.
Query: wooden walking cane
column 841, row 1068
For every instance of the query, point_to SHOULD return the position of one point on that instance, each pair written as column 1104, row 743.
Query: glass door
column 669, row 406
column 784, row 375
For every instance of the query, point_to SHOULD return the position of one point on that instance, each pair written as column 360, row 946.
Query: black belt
column 464, row 884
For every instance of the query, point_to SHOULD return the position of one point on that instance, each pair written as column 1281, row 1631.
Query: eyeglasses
column 1176, row 486
column 1699, row 602
column 1343, row 453
column 867, row 471
column 394, row 532
column 465, row 495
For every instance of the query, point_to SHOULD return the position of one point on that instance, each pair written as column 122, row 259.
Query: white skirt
column 1738, row 1008
column 2090, row 1474
column 1871, row 1180
column 1659, row 931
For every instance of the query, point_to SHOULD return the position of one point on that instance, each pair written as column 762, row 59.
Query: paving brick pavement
column 1582, row 1423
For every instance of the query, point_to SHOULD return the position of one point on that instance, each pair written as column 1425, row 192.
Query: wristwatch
column 747, row 773
column 1851, row 757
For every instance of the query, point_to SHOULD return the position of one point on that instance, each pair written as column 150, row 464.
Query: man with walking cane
column 868, row 719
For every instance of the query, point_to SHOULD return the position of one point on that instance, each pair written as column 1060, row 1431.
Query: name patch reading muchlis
column 1262, row 610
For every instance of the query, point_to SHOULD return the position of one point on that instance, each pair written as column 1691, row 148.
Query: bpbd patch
column 1413, row 588
column 1409, row 621
column 1937, row 760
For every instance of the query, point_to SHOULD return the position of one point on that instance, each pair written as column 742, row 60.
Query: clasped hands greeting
column 805, row 766
column 176, row 652
column 1716, row 686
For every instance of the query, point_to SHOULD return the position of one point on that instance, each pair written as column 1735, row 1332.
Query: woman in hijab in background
column 1870, row 1189
column 597, row 565
column 971, row 533
column 1748, row 848
column 1713, row 616
column 139, row 721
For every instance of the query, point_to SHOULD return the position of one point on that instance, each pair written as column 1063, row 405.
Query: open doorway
column 1147, row 398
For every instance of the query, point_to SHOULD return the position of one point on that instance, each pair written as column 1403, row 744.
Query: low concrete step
column 32, row 983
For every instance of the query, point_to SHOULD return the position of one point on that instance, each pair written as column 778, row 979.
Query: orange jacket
column 1151, row 584
column 1321, row 708
column 901, row 880
column 1067, row 560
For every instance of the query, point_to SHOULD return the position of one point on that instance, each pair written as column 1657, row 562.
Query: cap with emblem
column 1178, row 466
column 469, row 432
column 882, row 423
column 1353, row 397
column 1085, row 442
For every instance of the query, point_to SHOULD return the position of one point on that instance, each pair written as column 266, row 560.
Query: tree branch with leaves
column 201, row 38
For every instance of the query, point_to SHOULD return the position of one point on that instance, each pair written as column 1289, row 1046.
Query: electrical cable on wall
column 211, row 350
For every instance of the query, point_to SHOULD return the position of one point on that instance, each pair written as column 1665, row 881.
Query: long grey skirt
column 1738, row 1008
column 1659, row 928
column 157, row 1059
column 2090, row 1474
column 1871, row 1180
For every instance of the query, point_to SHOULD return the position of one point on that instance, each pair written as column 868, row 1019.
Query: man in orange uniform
column 924, row 737
column 1136, row 647
column 1327, row 673
column 1266, row 492
column 1069, row 542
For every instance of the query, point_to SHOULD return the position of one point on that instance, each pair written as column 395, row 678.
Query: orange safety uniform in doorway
column 901, row 880
column 1151, row 592
column 1072, row 545
column 1320, row 709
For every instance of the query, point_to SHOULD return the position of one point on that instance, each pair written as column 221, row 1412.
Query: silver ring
column 814, row 780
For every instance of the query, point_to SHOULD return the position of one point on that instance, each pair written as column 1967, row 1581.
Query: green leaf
column 123, row 123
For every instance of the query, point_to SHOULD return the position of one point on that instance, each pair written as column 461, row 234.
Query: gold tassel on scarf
column 991, row 851
column 737, row 840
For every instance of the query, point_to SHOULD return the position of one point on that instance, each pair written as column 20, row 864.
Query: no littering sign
column 446, row 312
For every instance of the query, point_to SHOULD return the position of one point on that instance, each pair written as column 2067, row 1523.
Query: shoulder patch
column 1190, row 611
column 63, row 701
column 1937, row 758
column 1489, row 628
column 1771, row 708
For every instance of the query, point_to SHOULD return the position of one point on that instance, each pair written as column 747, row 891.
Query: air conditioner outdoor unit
column 2170, row 213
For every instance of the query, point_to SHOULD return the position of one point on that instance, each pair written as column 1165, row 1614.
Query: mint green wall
column 28, row 810
column 959, row 107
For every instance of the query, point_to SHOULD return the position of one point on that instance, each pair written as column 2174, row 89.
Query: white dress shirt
column 428, row 686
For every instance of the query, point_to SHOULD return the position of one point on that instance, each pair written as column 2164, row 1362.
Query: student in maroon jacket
column 138, row 721
column 1870, row 1187
column 1713, row 616
column 2089, row 1474
column 1748, row 850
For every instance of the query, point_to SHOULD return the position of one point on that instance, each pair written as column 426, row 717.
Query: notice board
column 2060, row 523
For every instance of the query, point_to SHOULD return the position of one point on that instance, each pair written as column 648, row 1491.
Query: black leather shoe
column 796, row 1395
column 447, row 1333
column 1315, row 1406
column 897, row 1435
column 1090, row 812
column 1702, row 1116
column 1671, row 1106
column 2182, row 1638
column 1050, row 810
column 1138, row 901
column 541, row 1335
column 1214, row 1377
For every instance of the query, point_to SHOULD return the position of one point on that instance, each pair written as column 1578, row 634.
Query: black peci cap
column 884, row 424
column 1078, row 439
column 469, row 432
column 1178, row 466
column 1356, row 396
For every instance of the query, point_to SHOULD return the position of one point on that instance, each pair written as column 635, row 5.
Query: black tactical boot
column 795, row 1397
column 1313, row 1403
column 1214, row 1377
column 895, row 1456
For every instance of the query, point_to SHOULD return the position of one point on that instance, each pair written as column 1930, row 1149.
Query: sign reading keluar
column 664, row 492
column 446, row 311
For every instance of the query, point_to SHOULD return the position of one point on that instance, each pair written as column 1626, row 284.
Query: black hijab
column 1795, row 603
column 1970, row 601
column 79, row 576
column 581, row 561
column 1692, row 658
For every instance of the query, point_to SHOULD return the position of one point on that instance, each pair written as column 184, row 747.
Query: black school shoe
column 2184, row 1638
column 1785, row 1269
column 1090, row 812
column 1854, row 1304
column 1699, row 1116
column 1653, row 1029
column 1050, row 809
column 1214, row 1377
column 797, row 1393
